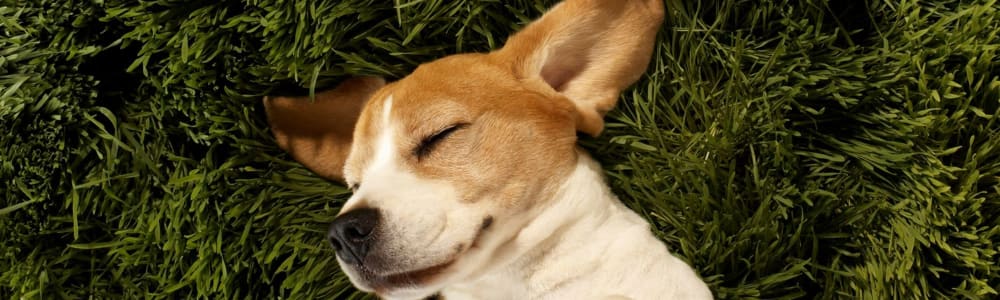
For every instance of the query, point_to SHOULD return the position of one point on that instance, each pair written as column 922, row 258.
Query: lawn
column 786, row 149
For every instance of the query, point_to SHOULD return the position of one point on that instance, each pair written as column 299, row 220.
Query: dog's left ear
column 589, row 51
column 319, row 133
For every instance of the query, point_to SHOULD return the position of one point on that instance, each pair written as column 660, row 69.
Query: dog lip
column 385, row 283
column 418, row 274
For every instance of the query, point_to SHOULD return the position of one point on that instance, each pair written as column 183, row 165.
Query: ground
column 786, row 149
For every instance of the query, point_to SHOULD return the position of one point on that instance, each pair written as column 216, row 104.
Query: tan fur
column 506, row 121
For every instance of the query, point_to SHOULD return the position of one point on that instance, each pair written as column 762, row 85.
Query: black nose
column 352, row 234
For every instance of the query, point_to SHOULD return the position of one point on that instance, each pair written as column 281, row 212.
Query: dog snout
column 352, row 234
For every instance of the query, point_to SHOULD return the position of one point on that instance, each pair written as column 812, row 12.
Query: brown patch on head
column 515, row 134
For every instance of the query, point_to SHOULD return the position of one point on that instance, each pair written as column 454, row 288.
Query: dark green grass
column 787, row 149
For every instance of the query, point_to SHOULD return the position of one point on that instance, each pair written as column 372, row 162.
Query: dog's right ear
column 318, row 133
column 587, row 50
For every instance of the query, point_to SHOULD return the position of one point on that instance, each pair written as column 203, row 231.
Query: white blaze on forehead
column 384, row 147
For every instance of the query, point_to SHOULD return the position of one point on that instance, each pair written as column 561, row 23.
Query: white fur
column 586, row 245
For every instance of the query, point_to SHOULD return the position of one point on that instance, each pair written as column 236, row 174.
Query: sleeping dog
column 467, row 180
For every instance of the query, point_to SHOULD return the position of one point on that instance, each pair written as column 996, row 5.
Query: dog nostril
column 352, row 234
column 355, row 233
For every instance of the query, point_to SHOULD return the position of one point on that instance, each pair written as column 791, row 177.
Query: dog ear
column 318, row 133
column 587, row 50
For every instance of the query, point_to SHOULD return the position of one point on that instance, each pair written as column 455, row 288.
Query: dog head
column 449, row 162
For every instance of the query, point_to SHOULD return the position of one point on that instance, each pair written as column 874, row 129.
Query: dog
column 467, row 179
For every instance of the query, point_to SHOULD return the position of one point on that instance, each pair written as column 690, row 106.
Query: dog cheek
column 405, row 242
column 423, row 227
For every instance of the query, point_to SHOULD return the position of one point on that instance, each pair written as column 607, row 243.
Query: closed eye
column 428, row 144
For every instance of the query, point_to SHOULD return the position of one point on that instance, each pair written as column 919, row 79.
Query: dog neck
column 585, row 243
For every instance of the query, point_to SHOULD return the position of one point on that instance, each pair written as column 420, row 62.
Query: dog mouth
column 384, row 283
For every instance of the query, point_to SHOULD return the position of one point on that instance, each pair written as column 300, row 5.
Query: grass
column 787, row 149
